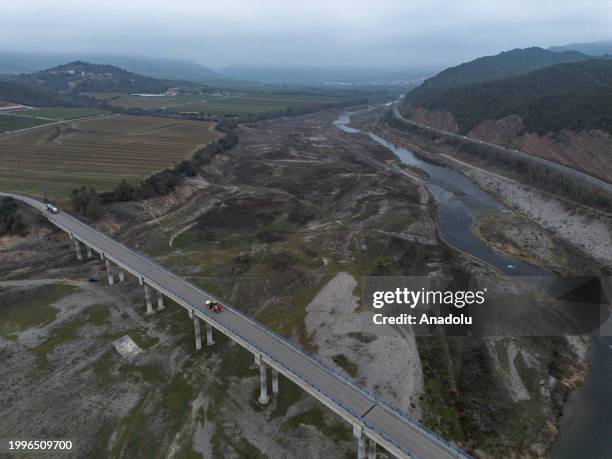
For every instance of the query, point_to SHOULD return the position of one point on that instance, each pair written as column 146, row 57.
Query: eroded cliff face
column 588, row 151
column 439, row 120
column 502, row 131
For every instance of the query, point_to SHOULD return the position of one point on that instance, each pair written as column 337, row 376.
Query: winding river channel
column 586, row 425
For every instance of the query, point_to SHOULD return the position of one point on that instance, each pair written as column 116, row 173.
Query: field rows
column 60, row 113
column 97, row 152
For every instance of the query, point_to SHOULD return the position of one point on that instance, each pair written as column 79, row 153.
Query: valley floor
column 283, row 227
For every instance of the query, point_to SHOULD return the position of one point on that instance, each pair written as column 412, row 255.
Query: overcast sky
column 398, row 34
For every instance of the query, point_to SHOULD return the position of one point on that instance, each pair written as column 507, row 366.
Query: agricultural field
column 97, row 152
column 233, row 103
column 14, row 123
column 149, row 103
column 31, row 117
column 59, row 113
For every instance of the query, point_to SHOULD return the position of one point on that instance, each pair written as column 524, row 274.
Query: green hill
column 504, row 65
column 564, row 96
column 63, row 85
column 82, row 76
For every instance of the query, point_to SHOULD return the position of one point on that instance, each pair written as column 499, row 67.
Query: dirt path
column 179, row 232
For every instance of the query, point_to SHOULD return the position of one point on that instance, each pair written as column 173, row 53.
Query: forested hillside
column 63, row 85
column 81, row 76
column 573, row 96
column 504, row 65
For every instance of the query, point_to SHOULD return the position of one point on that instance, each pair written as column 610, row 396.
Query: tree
column 86, row 201
column 11, row 221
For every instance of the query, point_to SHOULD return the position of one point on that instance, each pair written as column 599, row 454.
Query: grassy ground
column 59, row 113
column 97, row 152
column 23, row 309
column 256, row 103
column 66, row 332
column 514, row 235
column 14, row 123
column 148, row 103
column 234, row 103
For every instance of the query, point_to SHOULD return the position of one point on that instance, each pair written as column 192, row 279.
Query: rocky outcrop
column 588, row 151
column 502, row 131
column 439, row 120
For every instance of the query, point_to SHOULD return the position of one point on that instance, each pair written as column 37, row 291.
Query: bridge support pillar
column 111, row 281
column 361, row 448
column 190, row 311
column 77, row 247
column 121, row 275
column 160, row 301
column 101, row 256
column 274, row 381
column 148, row 299
column 361, row 441
column 263, row 383
column 196, row 328
column 209, row 336
column 89, row 254
column 371, row 449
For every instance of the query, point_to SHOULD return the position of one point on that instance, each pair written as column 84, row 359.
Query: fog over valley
column 391, row 34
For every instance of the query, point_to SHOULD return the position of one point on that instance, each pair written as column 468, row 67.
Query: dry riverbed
column 283, row 227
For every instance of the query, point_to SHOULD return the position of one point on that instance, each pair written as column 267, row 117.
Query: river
column 586, row 425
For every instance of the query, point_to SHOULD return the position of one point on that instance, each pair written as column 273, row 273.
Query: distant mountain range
column 594, row 48
column 576, row 95
column 335, row 76
column 64, row 84
column 170, row 69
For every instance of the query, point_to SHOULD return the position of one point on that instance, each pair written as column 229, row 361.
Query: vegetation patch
column 133, row 435
column 466, row 399
column 15, row 123
column 416, row 171
column 241, row 447
column 338, row 431
column 21, row 309
column 151, row 373
column 343, row 362
column 11, row 221
column 68, row 331
column 288, row 395
column 177, row 398
column 60, row 113
column 142, row 338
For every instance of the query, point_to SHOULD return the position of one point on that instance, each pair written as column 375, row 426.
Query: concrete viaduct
column 374, row 422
